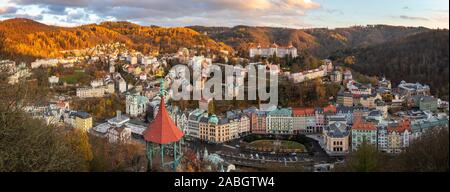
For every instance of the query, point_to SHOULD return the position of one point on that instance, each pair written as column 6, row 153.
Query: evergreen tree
column 365, row 159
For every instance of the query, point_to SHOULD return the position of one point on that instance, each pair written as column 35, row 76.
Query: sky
column 275, row 13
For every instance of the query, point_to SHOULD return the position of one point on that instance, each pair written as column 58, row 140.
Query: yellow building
column 368, row 101
column 345, row 99
column 83, row 121
column 214, row 130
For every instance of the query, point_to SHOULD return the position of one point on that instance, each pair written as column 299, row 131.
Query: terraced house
column 279, row 121
column 362, row 131
column 303, row 120
column 398, row 136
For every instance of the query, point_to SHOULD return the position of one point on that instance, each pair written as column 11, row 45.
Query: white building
column 411, row 89
column 234, row 128
column 279, row 121
column 117, row 129
column 320, row 72
column 244, row 124
column 7, row 66
column 199, row 61
column 88, row 92
column 274, row 49
column 97, row 83
column 119, row 134
column 19, row 73
column 193, row 123
column 53, row 80
column 358, row 88
column 136, row 105
column 44, row 63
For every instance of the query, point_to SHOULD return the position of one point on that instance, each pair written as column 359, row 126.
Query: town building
column 273, row 50
column 303, row 120
column 411, row 89
column 181, row 121
column 239, row 121
column 53, row 80
column 83, row 121
column 362, row 131
column 136, row 104
column 214, row 129
column 398, row 136
column 251, row 113
column 193, row 123
column 420, row 126
column 44, row 63
column 19, row 73
column 119, row 134
column 260, row 125
column 336, row 76
column 279, row 121
column 118, row 129
column 385, row 83
column 336, row 139
column 423, row 102
column 321, row 120
column 382, row 139
column 367, row 101
column 7, row 66
column 345, row 99
column 89, row 92
column 348, row 75
column 356, row 88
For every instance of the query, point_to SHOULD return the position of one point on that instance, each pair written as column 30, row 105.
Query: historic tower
column 162, row 137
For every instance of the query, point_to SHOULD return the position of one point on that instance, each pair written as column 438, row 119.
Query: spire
column 162, row 130
column 160, row 74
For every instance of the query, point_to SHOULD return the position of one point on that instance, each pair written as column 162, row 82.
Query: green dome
column 213, row 119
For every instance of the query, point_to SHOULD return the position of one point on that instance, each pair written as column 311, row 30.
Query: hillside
column 241, row 38
column 320, row 42
column 23, row 37
column 165, row 40
column 421, row 58
column 28, row 39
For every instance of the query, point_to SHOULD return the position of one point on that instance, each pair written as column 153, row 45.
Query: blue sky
column 279, row 13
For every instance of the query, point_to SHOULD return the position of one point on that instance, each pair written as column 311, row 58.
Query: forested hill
column 320, row 42
column 28, row 38
column 421, row 58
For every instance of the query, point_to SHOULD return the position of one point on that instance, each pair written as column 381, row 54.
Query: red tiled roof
column 360, row 124
column 330, row 108
column 401, row 127
column 303, row 111
column 162, row 130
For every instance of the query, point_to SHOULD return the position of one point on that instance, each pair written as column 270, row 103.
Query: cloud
column 7, row 10
column 287, row 13
column 413, row 18
column 55, row 9
column 27, row 16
